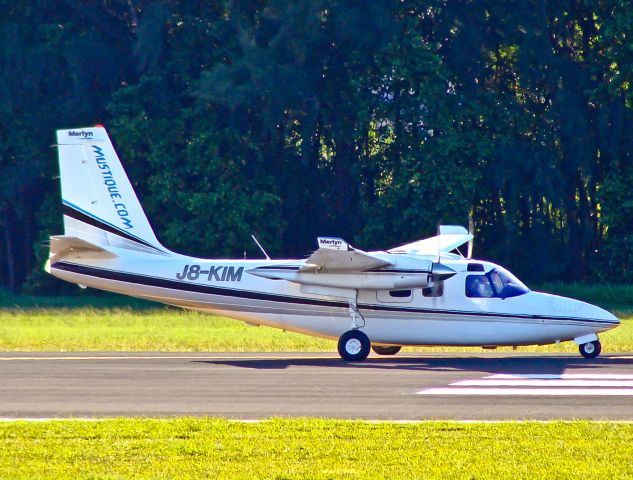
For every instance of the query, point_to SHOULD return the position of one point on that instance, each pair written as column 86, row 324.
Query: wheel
column 591, row 349
column 353, row 346
column 391, row 350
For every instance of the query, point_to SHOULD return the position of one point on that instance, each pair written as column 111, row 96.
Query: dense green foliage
column 367, row 120
column 313, row 449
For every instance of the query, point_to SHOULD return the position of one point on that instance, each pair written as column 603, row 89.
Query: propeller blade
column 471, row 230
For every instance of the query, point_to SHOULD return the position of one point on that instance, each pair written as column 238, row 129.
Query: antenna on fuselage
column 260, row 247
column 471, row 230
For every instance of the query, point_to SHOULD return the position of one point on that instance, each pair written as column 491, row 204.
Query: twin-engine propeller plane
column 422, row 293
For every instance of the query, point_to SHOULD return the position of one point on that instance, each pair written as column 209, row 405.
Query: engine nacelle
column 385, row 279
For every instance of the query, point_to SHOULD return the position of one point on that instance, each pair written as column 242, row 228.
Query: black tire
column 390, row 350
column 354, row 346
column 591, row 349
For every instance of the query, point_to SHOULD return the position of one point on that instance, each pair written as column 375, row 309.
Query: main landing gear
column 590, row 349
column 354, row 346
column 390, row 350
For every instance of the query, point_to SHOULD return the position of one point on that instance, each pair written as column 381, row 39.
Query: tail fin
column 100, row 205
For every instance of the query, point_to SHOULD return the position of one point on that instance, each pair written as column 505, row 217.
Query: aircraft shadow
column 498, row 364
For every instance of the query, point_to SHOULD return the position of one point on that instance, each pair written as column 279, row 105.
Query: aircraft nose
column 610, row 317
column 597, row 313
column 581, row 309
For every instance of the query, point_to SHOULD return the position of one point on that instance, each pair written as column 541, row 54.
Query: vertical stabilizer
column 100, row 205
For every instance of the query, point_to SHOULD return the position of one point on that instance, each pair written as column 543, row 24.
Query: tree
column 367, row 120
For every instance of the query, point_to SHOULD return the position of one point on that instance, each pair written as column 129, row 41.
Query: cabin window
column 478, row 286
column 436, row 290
column 475, row 267
column 394, row 296
column 400, row 293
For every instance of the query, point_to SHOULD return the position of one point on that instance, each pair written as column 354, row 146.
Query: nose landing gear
column 590, row 349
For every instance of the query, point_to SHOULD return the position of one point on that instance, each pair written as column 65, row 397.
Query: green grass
column 125, row 329
column 88, row 298
column 166, row 329
column 314, row 449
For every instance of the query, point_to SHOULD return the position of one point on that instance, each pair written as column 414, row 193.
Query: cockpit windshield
column 498, row 283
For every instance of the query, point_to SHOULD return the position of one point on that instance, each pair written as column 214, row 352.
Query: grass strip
column 123, row 329
column 166, row 329
column 313, row 449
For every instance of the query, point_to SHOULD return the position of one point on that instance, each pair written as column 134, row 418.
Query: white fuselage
column 225, row 287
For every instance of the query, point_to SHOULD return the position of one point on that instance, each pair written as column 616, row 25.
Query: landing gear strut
column 358, row 321
column 591, row 349
column 354, row 346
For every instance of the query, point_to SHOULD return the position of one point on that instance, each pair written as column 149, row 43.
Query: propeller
column 439, row 271
column 439, row 242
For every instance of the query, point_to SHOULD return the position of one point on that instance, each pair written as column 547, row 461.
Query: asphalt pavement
column 486, row 386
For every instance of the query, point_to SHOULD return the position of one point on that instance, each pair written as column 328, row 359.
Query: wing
column 334, row 254
column 450, row 238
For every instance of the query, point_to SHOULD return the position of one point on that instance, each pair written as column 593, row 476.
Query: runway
column 486, row 386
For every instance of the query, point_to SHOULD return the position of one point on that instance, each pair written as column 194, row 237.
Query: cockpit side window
column 506, row 285
column 478, row 286
column 498, row 283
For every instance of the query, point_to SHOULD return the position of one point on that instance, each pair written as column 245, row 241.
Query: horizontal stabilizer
column 63, row 246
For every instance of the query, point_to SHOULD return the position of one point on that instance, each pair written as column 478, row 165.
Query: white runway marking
column 545, row 383
column 568, row 376
column 275, row 419
column 169, row 357
column 613, row 392
column 50, row 419
column 541, row 385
